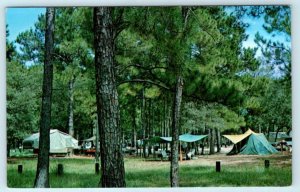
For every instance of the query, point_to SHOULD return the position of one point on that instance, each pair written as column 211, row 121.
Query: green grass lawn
column 80, row 173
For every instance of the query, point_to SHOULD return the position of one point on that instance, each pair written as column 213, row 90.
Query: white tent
column 60, row 142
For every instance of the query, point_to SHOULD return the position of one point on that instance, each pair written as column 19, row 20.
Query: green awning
column 186, row 138
column 191, row 138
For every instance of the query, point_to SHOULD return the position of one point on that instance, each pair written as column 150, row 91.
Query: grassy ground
column 79, row 173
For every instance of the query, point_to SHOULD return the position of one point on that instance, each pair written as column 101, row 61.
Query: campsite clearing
column 238, row 170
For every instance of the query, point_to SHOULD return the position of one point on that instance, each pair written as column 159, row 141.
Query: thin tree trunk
column 42, row 173
column 277, row 131
column 133, row 140
column 218, row 135
column 175, row 133
column 112, row 163
column 71, row 104
column 165, row 119
column 212, row 141
column 150, row 126
column 146, row 127
column 143, row 125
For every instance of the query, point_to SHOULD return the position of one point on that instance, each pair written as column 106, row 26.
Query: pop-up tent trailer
column 60, row 142
column 251, row 143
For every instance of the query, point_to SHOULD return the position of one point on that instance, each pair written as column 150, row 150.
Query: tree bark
column 175, row 133
column 212, row 141
column 42, row 174
column 143, row 123
column 112, row 163
column 133, row 140
column 71, row 104
column 218, row 135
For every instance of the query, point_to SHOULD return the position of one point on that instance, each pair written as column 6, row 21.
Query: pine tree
column 42, row 174
column 112, row 164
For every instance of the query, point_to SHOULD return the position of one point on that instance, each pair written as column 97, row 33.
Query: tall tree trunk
column 150, row 118
column 277, row 131
column 71, row 104
column 42, row 173
column 212, row 141
column 268, row 131
column 218, row 135
column 175, row 133
column 177, row 104
column 112, row 163
column 133, row 140
column 143, row 124
column 165, row 119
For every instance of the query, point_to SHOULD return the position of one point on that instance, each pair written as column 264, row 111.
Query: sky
column 22, row 19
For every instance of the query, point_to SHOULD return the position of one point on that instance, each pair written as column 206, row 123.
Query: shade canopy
column 237, row 138
column 191, row 138
column 185, row 138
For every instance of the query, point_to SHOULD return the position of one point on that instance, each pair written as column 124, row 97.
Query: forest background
column 245, row 83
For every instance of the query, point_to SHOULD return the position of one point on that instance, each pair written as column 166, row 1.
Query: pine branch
column 144, row 81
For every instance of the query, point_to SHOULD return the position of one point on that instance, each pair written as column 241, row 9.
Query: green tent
column 250, row 143
column 257, row 144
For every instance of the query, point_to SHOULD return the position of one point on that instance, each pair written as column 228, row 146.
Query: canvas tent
column 251, row 143
column 60, row 142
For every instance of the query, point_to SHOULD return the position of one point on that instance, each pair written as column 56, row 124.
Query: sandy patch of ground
column 282, row 159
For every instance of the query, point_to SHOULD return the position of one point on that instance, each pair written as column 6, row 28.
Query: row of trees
column 158, row 71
